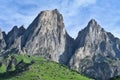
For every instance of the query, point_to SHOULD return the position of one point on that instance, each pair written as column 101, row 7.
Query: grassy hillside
column 37, row 68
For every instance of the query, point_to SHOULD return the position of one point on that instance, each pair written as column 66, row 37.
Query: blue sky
column 76, row 13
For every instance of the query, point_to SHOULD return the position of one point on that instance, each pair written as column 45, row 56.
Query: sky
column 76, row 13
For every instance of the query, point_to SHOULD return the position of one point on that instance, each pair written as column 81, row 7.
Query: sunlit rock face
column 2, row 41
column 47, row 36
column 97, row 53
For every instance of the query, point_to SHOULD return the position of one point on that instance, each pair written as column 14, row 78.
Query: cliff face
column 47, row 36
column 2, row 41
column 97, row 52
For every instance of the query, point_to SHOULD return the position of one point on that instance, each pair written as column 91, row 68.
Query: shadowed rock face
column 13, row 35
column 47, row 36
column 97, row 53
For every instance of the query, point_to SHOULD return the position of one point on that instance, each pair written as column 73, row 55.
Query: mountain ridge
column 91, row 51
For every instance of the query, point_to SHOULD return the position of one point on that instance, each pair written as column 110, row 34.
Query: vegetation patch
column 37, row 68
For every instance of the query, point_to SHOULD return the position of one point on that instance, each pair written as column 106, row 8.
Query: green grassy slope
column 41, row 69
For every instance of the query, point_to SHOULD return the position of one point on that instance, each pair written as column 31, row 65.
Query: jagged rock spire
column 93, row 22
column 2, row 41
column 94, row 46
column 13, row 35
column 47, row 36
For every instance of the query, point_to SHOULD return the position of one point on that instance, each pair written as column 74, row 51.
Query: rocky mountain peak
column 92, row 22
column 12, row 35
column 90, row 34
column 47, row 17
column 15, row 28
column 51, row 14
column 48, row 14
column 21, row 30
column 22, row 27
column 47, row 36
column 94, row 48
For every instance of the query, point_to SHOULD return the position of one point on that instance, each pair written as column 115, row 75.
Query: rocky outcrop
column 2, row 41
column 97, row 53
column 11, row 64
column 13, row 35
column 46, row 36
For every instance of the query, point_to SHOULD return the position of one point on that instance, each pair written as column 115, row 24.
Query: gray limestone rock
column 97, row 53
column 2, row 41
column 94, row 53
column 46, row 36
column 13, row 36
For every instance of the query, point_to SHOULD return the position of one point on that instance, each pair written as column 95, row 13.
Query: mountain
column 97, row 53
column 94, row 53
column 46, row 36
